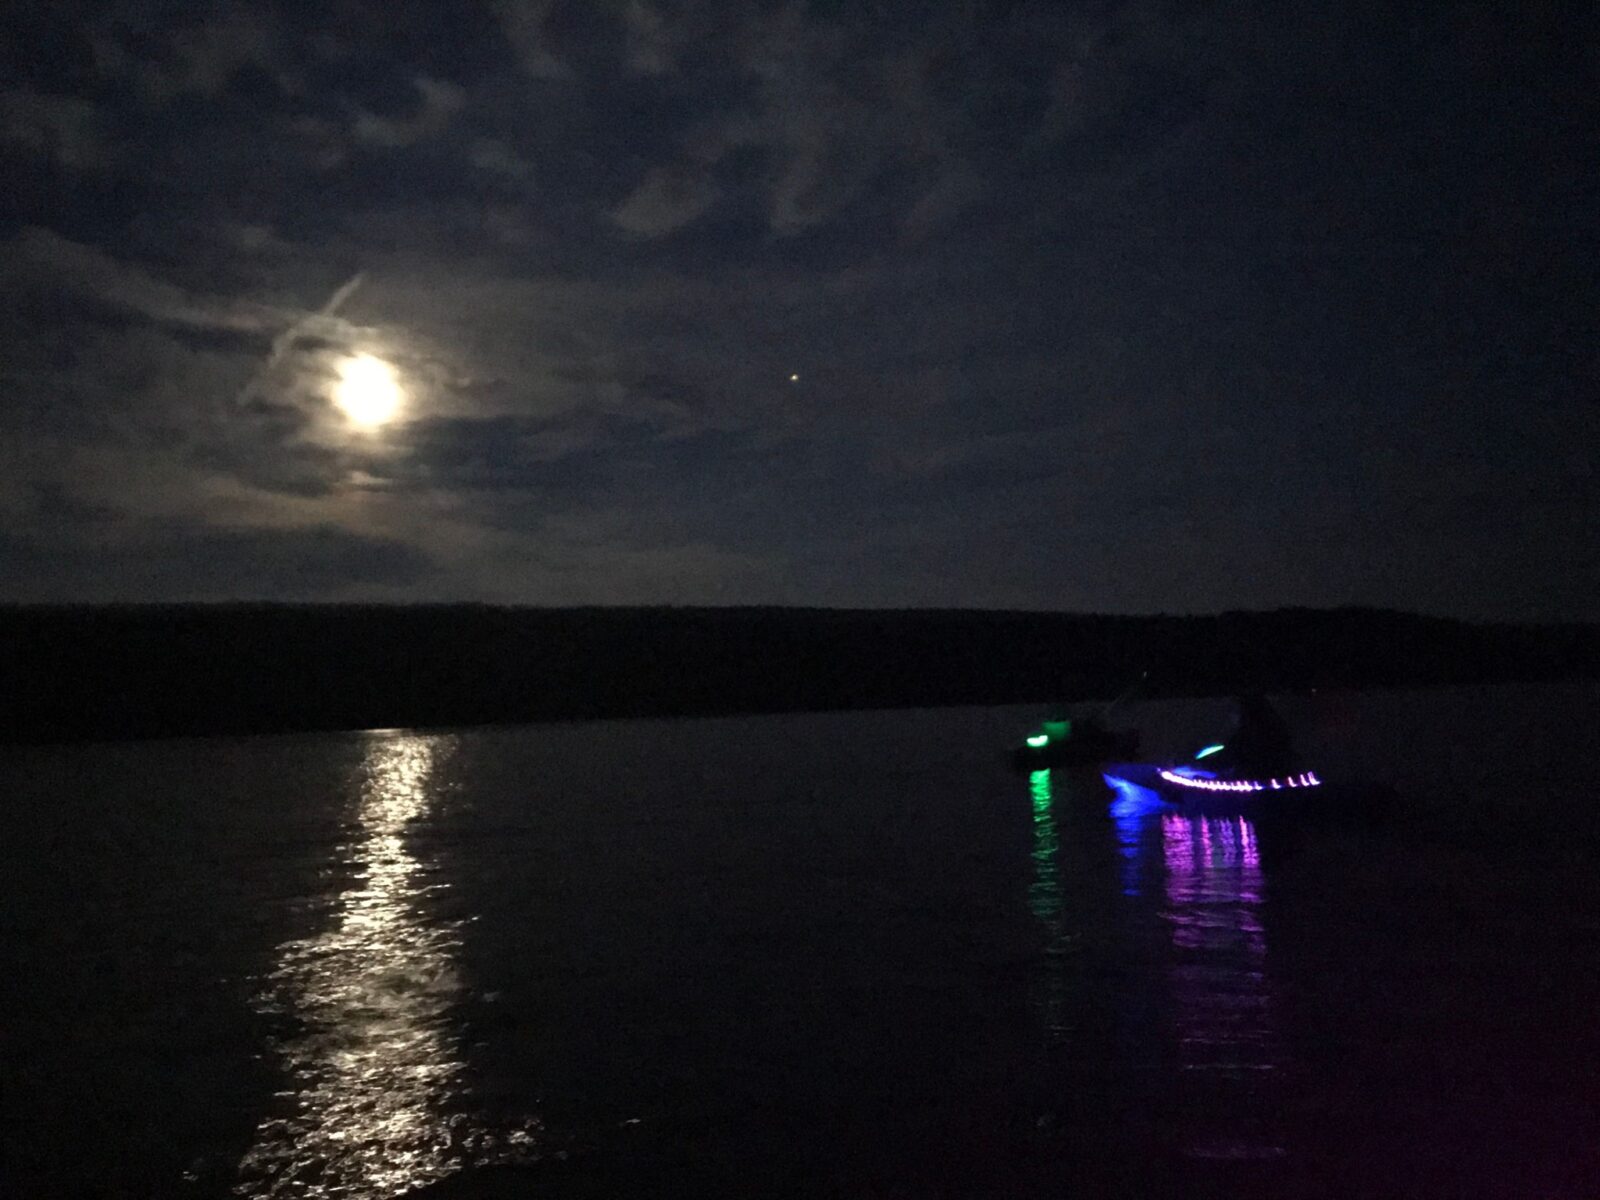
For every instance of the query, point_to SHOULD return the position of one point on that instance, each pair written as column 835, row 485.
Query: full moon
column 368, row 391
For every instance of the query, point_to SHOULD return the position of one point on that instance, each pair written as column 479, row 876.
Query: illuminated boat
column 1198, row 792
column 1065, row 743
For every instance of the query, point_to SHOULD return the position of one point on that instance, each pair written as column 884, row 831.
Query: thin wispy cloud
column 319, row 322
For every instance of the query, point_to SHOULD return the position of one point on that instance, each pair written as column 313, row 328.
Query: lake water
column 822, row 955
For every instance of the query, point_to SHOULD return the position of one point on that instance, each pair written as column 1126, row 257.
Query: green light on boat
column 1209, row 750
column 1039, row 739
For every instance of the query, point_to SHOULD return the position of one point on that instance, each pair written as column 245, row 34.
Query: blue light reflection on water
column 1131, row 811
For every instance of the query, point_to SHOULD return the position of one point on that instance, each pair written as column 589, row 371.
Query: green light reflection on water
column 1046, row 904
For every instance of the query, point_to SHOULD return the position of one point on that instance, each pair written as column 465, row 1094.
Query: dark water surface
column 830, row 955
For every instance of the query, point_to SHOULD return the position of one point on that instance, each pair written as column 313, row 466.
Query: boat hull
column 1299, row 796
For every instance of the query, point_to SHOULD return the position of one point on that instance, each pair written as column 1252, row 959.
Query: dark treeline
column 137, row 671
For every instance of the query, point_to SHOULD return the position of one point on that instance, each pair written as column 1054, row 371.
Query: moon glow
column 368, row 391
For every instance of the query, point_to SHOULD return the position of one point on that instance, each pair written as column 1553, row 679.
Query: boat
column 1299, row 793
column 1207, row 793
column 1066, row 743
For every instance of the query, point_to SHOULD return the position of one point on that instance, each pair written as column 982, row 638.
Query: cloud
column 650, row 48
column 815, row 183
column 1062, row 284
column 100, row 561
column 318, row 142
column 106, row 352
column 42, row 260
column 201, row 58
column 828, row 136
column 441, row 101
column 322, row 322
column 942, row 204
column 846, row 117
column 208, row 55
column 64, row 129
column 497, row 158
column 523, row 22
column 667, row 199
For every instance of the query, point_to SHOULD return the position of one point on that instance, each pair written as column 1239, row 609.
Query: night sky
column 1126, row 307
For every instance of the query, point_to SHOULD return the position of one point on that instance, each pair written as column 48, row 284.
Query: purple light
column 1205, row 845
column 1223, row 1003
column 1304, row 780
column 1252, row 855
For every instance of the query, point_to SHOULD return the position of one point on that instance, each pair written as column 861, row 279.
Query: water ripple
column 377, row 1100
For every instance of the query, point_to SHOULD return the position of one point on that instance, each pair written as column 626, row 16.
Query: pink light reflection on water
column 1223, row 1008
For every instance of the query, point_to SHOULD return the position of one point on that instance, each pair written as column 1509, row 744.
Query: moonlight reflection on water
column 374, row 1072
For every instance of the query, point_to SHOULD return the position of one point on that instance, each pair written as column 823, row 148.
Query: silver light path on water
column 375, row 1100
